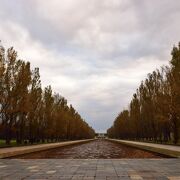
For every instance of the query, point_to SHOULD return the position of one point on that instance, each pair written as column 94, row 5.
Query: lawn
column 3, row 143
column 13, row 143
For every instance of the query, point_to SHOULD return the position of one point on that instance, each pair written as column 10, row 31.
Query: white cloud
column 95, row 53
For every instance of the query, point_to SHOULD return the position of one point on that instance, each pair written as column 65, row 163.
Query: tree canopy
column 30, row 113
column 154, row 111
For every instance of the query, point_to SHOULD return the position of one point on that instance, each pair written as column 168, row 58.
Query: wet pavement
column 97, row 149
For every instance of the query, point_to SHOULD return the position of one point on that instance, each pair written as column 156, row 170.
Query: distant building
column 101, row 135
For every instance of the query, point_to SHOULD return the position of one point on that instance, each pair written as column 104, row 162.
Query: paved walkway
column 13, row 151
column 161, row 148
column 99, row 169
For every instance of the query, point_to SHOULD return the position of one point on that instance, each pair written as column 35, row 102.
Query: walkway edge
column 148, row 147
column 15, row 151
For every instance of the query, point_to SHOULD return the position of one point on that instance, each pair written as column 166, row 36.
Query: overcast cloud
column 95, row 53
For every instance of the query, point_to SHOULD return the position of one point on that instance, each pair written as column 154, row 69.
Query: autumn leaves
column 154, row 111
column 30, row 114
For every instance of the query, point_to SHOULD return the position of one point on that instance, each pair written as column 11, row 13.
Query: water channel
column 97, row 149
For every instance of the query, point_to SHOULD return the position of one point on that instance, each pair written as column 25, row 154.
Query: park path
column 169, row 150
column 95, row 149
column 13, row 151
column 162, row 146
column 90, row 169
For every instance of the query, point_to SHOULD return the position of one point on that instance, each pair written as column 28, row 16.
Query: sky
column 94, row 53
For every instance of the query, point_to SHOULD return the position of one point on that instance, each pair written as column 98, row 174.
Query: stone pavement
column 14, row 151
column 169, row 150
column 90, row 169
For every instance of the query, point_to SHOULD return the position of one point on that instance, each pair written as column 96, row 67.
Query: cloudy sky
column 93, row 52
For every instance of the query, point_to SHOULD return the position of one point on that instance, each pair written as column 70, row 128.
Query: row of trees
column 28, row 113
column 154, row 111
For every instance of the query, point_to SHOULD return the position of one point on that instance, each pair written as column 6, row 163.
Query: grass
column 155, row 142
column 14, row 144
column 158, row 142
column 3, row 143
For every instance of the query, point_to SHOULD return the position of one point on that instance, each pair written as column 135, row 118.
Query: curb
column 167, row 152
column 15, row 151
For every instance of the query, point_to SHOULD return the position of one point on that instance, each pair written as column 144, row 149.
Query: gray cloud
column 95, row 53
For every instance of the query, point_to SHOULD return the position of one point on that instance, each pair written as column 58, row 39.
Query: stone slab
column 169, row 150
column 14, row 151
column 90, row 169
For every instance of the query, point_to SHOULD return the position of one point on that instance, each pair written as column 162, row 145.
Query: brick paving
column 90, row 169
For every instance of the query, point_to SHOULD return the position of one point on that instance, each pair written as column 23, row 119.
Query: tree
column 174, row 78
column 35, row 103
column 30, row 114
column 154, row 111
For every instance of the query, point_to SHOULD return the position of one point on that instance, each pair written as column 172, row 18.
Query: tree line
column 154, row 111
column 29, row 113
